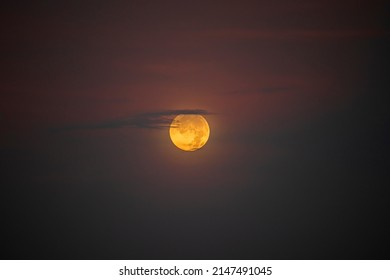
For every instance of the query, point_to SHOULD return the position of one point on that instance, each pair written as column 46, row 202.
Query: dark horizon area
column 295, row 93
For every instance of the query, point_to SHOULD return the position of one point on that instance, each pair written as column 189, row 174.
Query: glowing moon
column 189, row 132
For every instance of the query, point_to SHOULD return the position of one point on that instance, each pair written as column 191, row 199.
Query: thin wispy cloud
column 295, row 34
column 148, row 120
column 263, row 90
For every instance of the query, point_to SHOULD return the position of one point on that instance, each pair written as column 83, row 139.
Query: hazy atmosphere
column 296, row 165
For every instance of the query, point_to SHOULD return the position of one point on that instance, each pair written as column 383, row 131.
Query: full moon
column 189, row 132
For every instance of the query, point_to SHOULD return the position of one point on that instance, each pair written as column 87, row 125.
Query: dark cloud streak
column 148, row 120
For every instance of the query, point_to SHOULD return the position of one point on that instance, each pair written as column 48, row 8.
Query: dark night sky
column 294, row 91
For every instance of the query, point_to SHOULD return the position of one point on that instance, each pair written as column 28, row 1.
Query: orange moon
column 189, row 132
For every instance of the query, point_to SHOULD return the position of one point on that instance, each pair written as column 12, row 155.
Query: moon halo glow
column 189, row 132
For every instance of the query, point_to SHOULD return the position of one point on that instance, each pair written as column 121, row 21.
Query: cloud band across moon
column 148, row 120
